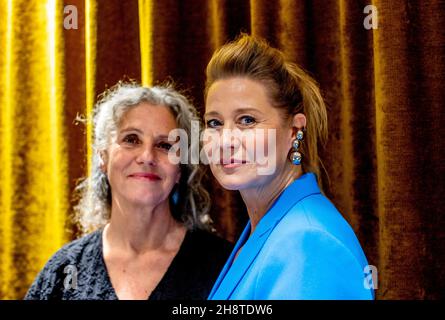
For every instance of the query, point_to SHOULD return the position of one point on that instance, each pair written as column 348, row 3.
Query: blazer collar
column 233, row 271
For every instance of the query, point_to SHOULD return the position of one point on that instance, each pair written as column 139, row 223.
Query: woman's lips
column 232, row 163
column 145, row 176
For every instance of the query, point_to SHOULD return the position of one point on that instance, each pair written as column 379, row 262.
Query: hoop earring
column 295, row 156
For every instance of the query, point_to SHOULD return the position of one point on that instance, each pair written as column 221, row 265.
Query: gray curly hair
column 192, row 202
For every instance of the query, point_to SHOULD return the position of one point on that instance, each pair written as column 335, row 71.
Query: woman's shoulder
column 49, row 280
column 313, row 264
column 315, row 222
column 73, row 251
column 316, row 213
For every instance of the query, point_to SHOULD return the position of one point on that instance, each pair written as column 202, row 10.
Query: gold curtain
column 384, row 88
column 33, row 147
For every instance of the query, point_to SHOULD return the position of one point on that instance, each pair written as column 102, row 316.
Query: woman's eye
column 131, row 139
column 213, row 123
column 165, row 145
column 247, row 120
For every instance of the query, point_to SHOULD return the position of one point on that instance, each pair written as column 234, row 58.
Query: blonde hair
column 94, row 207
column 290, row 88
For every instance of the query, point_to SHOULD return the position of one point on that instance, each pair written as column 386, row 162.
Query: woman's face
column 261, row 138
column 136, row 162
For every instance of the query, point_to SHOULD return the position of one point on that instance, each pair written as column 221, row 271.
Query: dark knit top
column 78, row 271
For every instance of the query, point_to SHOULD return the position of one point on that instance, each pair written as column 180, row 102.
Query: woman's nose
column 230, row 139
column 147, row 155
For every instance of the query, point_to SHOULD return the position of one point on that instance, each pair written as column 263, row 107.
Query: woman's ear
column 299, row 121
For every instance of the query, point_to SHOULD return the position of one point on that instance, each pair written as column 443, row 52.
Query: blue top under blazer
column 301, row 249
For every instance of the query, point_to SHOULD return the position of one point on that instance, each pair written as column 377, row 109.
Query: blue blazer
column 302, row 248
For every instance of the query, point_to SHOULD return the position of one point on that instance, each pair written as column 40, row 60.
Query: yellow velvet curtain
column 33, row 150
column 384, row 88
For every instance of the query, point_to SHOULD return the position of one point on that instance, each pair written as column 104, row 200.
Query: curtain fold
column 409, row 92
column 384, row 89
column 33, row 149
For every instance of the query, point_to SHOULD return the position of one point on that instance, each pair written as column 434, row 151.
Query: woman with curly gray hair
column 144, row 217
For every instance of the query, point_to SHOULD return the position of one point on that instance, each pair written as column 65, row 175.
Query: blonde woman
column 296, row 244
column 144, row 217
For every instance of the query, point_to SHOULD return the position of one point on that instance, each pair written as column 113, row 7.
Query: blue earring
column 175, row 194
column 295, row 156
column 175, row 197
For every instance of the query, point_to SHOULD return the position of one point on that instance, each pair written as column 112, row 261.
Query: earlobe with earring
column 295, row 156
column 175, row 194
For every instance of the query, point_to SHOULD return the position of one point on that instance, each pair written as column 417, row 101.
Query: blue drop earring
column 295, row 156
column 175, row 194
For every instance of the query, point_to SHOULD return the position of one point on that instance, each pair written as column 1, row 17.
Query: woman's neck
column 259, row 200
column 136, row 230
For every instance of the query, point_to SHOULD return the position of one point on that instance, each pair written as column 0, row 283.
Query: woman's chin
column 230, row 187
column 239, row 179
column 144, row 201
column 234, row 183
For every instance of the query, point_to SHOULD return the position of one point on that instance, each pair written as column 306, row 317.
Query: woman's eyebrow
column 235, row 112
column 246, row 110
column 163, row 137
column 211, row 113
column 131, row 129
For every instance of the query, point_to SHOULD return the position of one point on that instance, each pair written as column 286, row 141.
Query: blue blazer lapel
column 234, row 271
column 221, row 292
